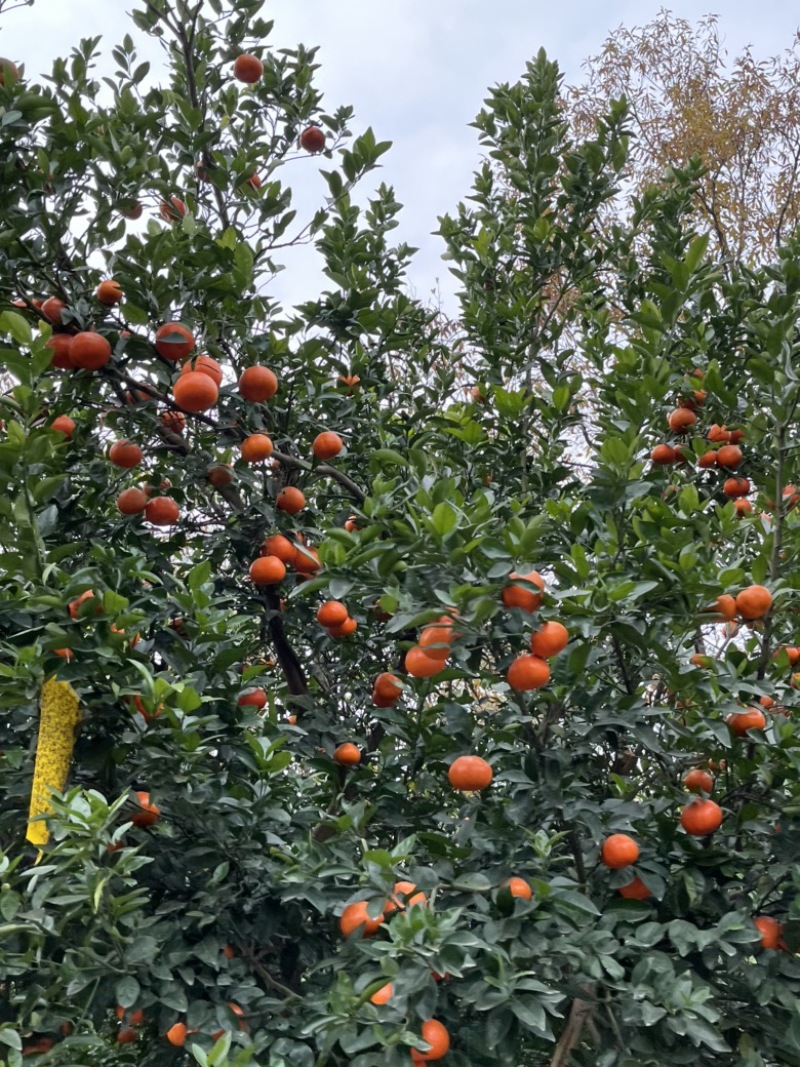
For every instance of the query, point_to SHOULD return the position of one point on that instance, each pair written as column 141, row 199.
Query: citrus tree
column 348, row 719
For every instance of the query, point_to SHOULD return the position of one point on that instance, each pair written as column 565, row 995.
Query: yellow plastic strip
column 58, row 719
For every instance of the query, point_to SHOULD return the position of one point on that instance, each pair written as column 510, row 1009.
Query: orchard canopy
column 381, row 689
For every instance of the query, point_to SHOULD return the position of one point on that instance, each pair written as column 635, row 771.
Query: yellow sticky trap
column 59, row 715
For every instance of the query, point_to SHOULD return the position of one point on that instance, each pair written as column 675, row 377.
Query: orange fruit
column 356, row 917
column 327, row 445
column 742, row 506
column 126, row 1036
column 63, row 424
column 176, row 1035
column 312, row 139
column 173, row 341
column 663, row 455
column 148, row 813
column 619, row 851
column 468, row 774
column 258, row 384
column 527, row 672
column 344, row 629
column 350, row 525
column 132, row 501
column 404, row 895
column 681, row 419
column 718, row 433
column 248, row 68
column 195, row 391
column 220, row 476
column 332, row 613
column 306, row 561
column 383, row 995
column 551, row 639
column 172, row 210
column 725, row 605
column 736, row 436
column 109, row 292
column 290, row 500
column 280, row 546
column 635, row 890
column 770, row 930
column 729, row 456
column 701, row 817
column 125, row 454
column 438, row 1037
column 518, row 887
column 768, row 702
column 421, row 664
column 387, row 686
column 256, row 447
column 698, row 781
column 162, row 511
column 708, row 459
column 515, row 596
column 74, row 605
column 89, row 350
column 252, row 698
column 742, row 721
column 699, row 660
column 267, row 570
column 175, row 421
column 253, row 181
column 61, row 346
column 754, row 602
column 131, row 209
column 348, row 754
column 437, row 637
column 736, row 487
column 205, row 365
column 7, row 67
column 52, row 308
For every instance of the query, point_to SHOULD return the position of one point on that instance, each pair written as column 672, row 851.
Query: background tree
column 687, row 99
column 389, row 746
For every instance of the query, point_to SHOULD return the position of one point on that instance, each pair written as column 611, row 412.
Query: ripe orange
column 736, row 436
column 206, row 365
column 195, row 391
column 312, row 139
column 518, row 887
column 126, row 1036
column 256, row 447
column 527, row 672
column 248, row 68
column 383, row 995
column 176, row 1035
column 131, row 209
column 469, row 773
column 61, row 346
column 437, row 637
column 280, row 546
column 327, row 445
column 52, row 308
column 701, row 817
column 267, row 570
column 404, row 895
column 148, row 813
column 736, row 487
column 258, row 384
column 708, row 459
column 718, row 433
column 551, row 639
column 355, row 917
column 344, row 629
column 252, row 698
column 770, row 930
column 729, row 456
column 162, row 511
column 438, row 1037
column 350, row 525
column 306, row 561
column 253, row 181
column 290, row 500
column 742, row 721
column 681, row 419
column 175, row 421
column 220, row 476
column 348, row 754
column 74, row 605
column 698, row 781
column 635, row 890
column 515, row 596
column 387, row 686
column 332, row 613
column 663, row 455
column 109, row 292
column 619, row 851
column 699, row 660
column 742, row 506
column 754, row 602
column 89, row 350
column 125, row 454
column 63, row 424
column 173, row 341
column 172, row 210
column 132, row 501
column 421, row 664
column 6, row 66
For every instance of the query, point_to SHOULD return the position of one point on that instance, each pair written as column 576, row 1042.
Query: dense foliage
column 203, row 922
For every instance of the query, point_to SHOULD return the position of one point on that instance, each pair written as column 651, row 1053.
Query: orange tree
column 347, row 720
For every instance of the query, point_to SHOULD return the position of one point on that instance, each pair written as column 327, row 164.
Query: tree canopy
column 350, row 716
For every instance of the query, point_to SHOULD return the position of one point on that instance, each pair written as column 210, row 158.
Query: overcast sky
column 417, row 72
